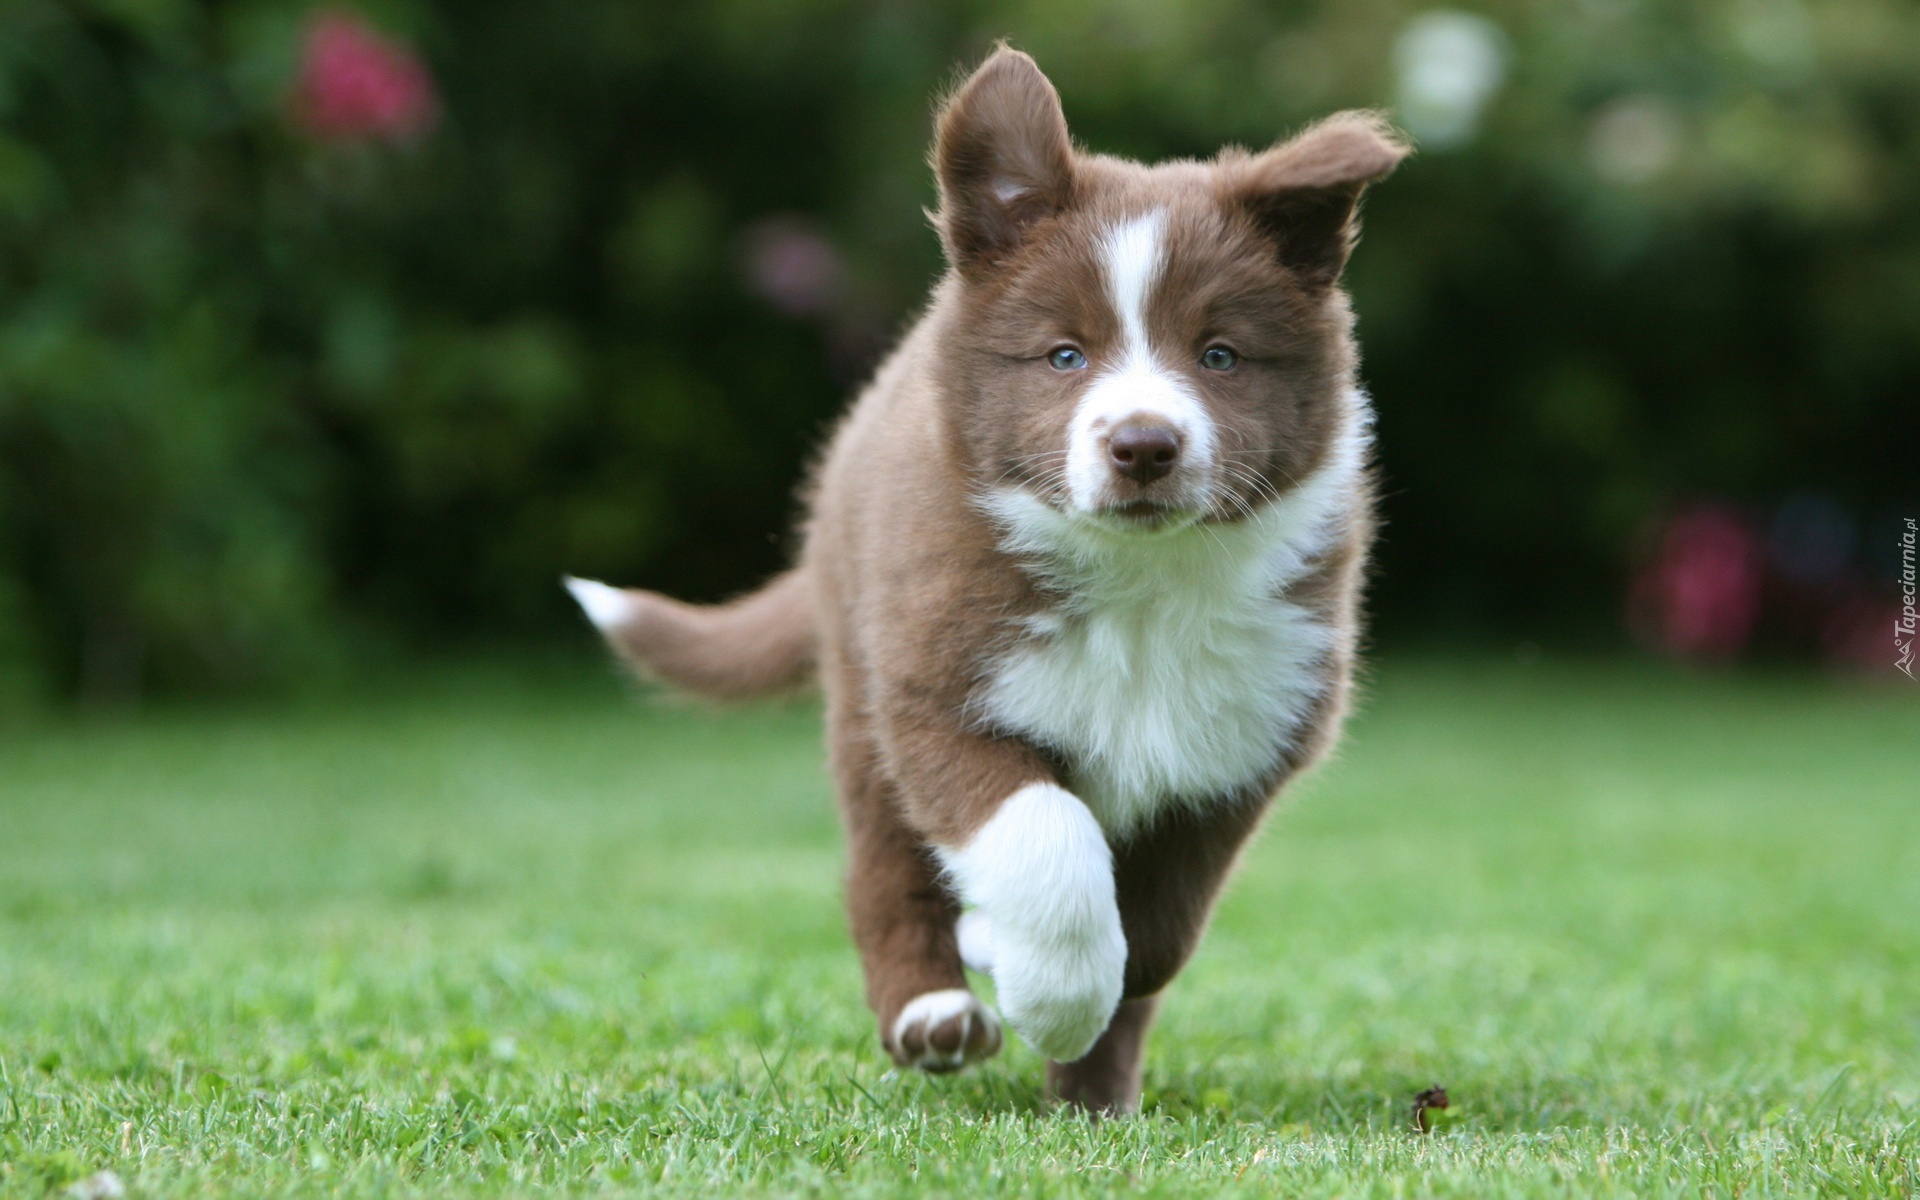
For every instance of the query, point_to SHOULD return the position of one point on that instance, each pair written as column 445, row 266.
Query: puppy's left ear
column 1304, row 193
column 1004, row 161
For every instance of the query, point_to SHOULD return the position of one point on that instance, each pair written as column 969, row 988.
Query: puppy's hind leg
column 1167, row 878
column 1107, row 1081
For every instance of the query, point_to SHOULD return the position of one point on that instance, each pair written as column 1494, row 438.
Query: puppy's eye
column 1066, row 358
column 1219, row 358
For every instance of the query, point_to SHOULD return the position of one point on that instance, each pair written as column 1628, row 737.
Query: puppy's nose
column 1143, row 453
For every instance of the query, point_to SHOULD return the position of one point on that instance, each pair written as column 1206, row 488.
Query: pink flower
column 1700, row 596
column 357, row 84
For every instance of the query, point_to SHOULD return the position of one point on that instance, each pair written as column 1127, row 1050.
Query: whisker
column 1015, row 466
column 1262, row 453
column 1027, row 458
column 1259, row 484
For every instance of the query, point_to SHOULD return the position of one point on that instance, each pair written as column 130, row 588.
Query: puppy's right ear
column 1003, row 158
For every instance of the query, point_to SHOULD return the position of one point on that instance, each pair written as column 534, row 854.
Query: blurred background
column 333, row 335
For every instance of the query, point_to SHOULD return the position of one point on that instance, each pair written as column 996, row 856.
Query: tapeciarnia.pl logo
column 1903, row 625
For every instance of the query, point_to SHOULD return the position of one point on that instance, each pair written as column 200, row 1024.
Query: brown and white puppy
column 1081, row 574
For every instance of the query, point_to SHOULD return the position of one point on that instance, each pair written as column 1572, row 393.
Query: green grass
column 1655, row 934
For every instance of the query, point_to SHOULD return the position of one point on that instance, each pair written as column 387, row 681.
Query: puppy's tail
column 766, row 641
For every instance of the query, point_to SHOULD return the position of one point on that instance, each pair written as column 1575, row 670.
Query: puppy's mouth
column 1144, row 515
column 1140, row 512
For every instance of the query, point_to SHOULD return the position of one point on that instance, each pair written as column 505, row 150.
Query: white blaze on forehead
column 1131, row 255
column 1134, row 384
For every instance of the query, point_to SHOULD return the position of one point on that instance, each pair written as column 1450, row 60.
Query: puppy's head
column 1144, row 347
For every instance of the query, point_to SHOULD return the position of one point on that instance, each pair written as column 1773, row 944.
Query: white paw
column 1059, row 986
column 1040, row 874
column 975, row 935
column 944, row 1031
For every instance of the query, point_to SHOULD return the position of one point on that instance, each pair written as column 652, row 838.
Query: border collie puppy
column 1080, row 576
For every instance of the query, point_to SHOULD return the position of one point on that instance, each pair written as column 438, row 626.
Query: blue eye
column 1219, row 358
column 1066, row 358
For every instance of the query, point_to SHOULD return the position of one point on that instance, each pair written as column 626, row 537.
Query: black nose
column 1143, row 453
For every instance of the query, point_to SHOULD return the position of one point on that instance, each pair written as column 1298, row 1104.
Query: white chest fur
column 1173, row 669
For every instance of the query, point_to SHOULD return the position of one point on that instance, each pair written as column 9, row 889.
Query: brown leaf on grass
column 1433, row 1097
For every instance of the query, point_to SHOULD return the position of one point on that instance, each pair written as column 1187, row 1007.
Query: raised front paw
column 1046, row 924
column 944, row 1031
column 1058, row 985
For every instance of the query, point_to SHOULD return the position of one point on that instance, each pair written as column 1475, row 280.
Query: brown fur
column 904, row 596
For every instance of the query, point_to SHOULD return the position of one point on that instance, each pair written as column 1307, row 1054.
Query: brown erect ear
column 1303, row 193
column 1003, row 158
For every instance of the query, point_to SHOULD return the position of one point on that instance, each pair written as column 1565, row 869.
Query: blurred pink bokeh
column 1859, row 634
column 792, row 265
column 1700, row 596
column 356, row 84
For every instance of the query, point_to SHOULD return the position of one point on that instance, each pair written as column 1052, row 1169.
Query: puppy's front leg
column 1040, row 873
column 1013, row 844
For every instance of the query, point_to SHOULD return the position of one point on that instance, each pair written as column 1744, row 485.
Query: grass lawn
column 498, row 935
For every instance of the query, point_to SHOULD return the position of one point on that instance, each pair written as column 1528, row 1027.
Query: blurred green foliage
column 269, row 402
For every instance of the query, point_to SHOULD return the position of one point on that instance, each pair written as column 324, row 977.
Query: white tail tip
column 607, row 607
